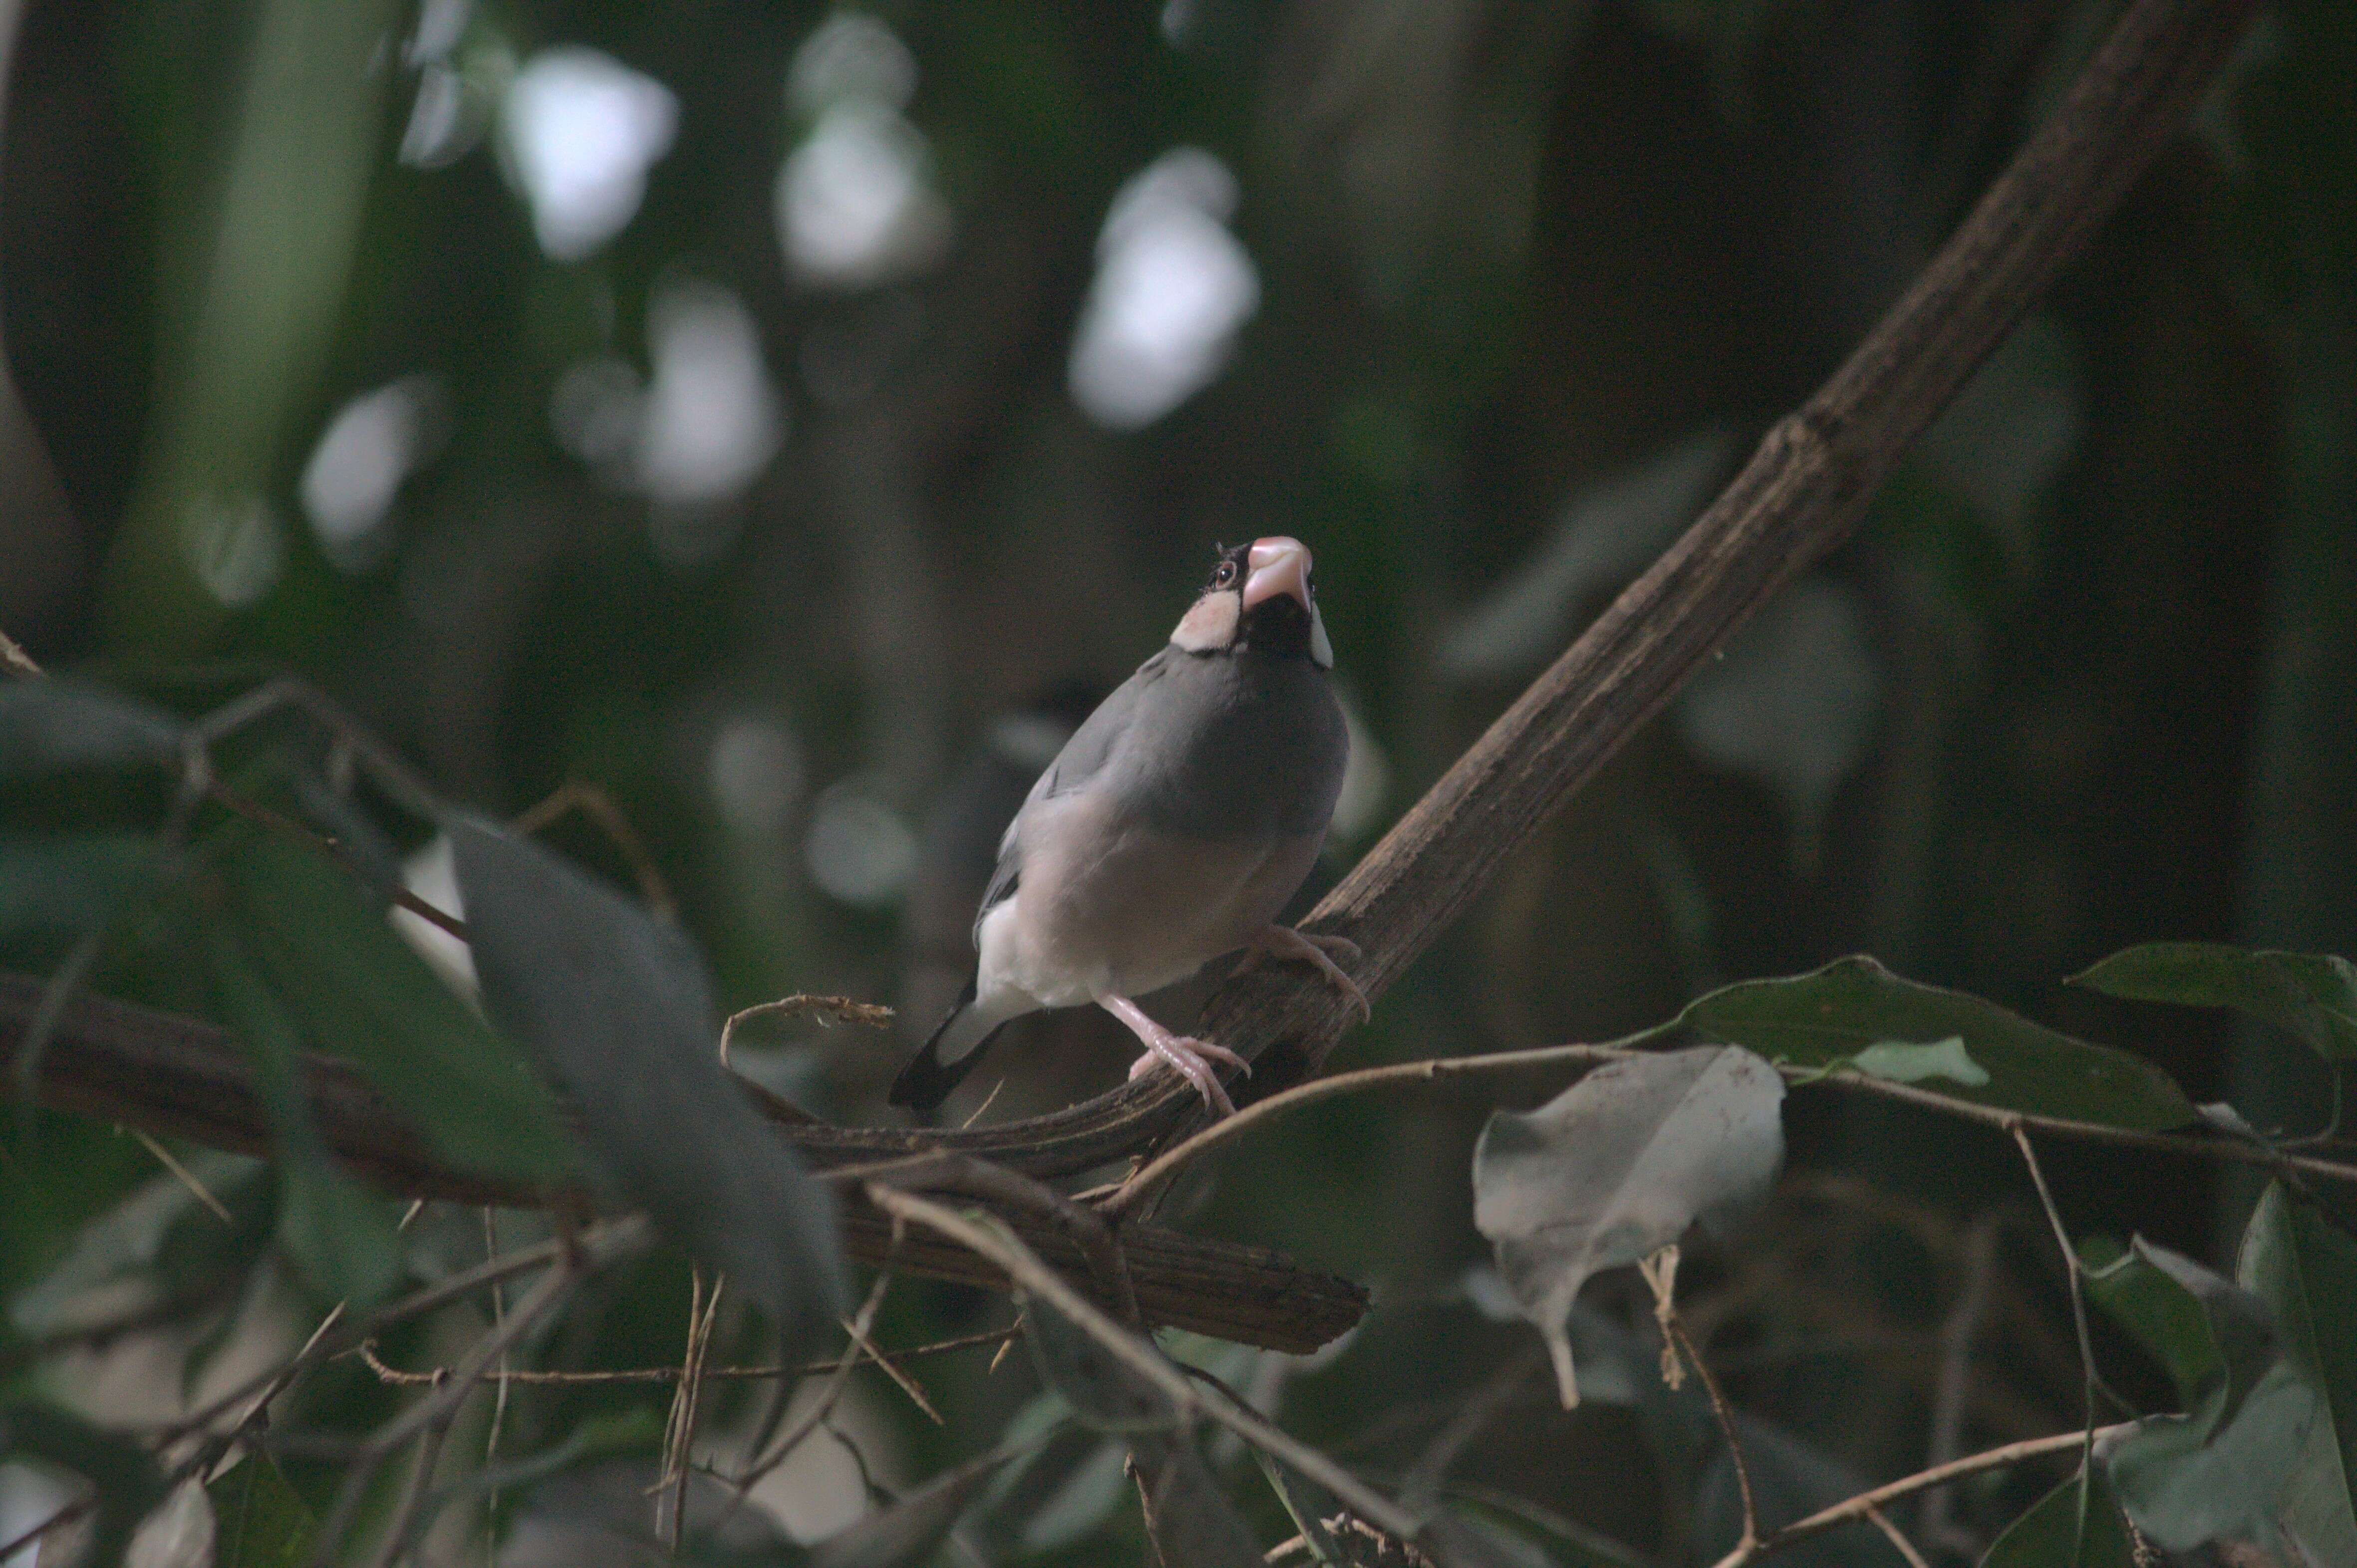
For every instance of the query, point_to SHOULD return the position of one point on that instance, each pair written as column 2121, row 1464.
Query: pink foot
column 1189, row 1057
column 1284, row 944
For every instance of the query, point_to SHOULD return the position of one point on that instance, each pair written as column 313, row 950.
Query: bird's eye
column 1223, row 574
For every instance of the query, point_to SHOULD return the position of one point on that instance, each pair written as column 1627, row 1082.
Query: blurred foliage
column 756, row 412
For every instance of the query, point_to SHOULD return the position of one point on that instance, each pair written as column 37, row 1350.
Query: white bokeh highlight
column 1173, row 287
column 579, row 132
column 712, row 420
column 855, row 203
column 368, row 451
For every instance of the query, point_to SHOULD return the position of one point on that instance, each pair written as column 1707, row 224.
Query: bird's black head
column 1261, row 597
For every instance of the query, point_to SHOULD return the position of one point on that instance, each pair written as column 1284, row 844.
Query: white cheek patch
column 1211, row 626
column 1321, row 652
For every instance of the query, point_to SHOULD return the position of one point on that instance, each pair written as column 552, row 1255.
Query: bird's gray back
column 1201, row 747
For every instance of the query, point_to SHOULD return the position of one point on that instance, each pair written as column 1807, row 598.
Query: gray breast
column 1232, row 744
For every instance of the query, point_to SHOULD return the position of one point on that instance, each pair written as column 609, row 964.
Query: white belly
column 1108, row 911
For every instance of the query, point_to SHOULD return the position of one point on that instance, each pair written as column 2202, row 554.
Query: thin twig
column 1855, row 1509
column 606, row 1245
column 1001, row 1246
column 279, row 822
column 680, row 1430
column 1956, row 1337
column 188, row 1178
column 499, row 1385
column 593, row 802
column 1152, row 1175
column 395, row 1541
column 1898, row 1537
column 987, row 1101
column 1661, row 1273
column 404, row 1377
column 2071, row 1272
column 432, row 1414
column 829, row 1391
column 841, row 1009
column 907, row 1385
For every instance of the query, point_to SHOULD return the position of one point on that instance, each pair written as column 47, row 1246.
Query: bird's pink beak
column 1277, row 565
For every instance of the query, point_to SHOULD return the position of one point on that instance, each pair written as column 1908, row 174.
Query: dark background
column 1526, row 282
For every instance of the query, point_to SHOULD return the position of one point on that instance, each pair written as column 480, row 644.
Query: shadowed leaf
column 2205, row 1330
column 364, row 995
column 55, row 724
column 71, row 883
column 2218, row 1469
column 340, row 1238
column 615, row 1008
column 2189, row 1479
column 2071, row 1527
column 1852, row 1004
column 2313, row 995
column 1618, row 1167
column 2305, row 1268
column 258, row 1520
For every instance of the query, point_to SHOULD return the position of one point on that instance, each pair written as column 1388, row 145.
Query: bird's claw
column 1191, row 1059
column 1317, row 950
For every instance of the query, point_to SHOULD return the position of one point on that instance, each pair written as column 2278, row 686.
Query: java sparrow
column 1168, row 830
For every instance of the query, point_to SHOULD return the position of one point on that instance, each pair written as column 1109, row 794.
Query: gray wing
column 1082, row 759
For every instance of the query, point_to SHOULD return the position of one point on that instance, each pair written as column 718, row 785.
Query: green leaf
column 258, row 1520
column 55, row 724
column 2052, row 1534
column 2305, row 1268
column 2208, row 1333
column 71, row 883
column 615, row 1008
column 2185, row 1481
column 341, row 1240
column 1855, row 1003
column 1617, row 1166
column 128, row 1483
column 365, row 995
column 2313, row 995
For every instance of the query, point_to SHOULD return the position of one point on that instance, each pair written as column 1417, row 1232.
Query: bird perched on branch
column 1170, row 830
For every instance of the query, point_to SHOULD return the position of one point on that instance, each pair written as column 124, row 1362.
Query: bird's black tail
column 928, row 1079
